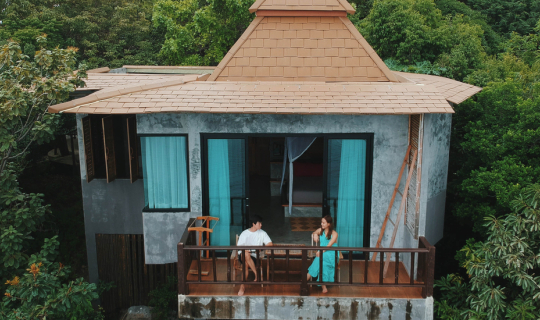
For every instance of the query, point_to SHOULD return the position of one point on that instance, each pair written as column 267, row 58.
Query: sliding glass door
column 347, row 189
column 226, row 187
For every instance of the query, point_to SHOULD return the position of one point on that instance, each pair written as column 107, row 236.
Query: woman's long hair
column 330, row 222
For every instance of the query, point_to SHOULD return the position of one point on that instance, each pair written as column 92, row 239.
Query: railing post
column 183, row 287
column 429, row 273
column 304, row 288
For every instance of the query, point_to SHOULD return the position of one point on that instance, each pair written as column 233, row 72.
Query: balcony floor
column 294, row 290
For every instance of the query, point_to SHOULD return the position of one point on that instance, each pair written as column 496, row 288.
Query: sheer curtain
column 165, row 172
column 219, row 190
column 351, row 193
column 294, row 148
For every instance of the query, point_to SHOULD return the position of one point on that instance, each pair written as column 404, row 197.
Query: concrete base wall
column 277, row 307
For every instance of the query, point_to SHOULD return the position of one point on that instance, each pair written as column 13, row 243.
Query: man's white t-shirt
column 257, row 238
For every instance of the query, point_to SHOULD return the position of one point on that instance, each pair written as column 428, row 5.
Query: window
column 111, row 147
column 165, row 172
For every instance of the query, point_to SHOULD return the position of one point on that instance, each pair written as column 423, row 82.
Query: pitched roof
column 267, row 97
column 302, row 49
column 97, row 81
column 302, row 5
column 454, row 91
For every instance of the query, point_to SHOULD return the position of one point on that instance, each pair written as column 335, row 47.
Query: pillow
column 307, row 169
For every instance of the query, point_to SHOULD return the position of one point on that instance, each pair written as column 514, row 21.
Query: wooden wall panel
column 121, row 261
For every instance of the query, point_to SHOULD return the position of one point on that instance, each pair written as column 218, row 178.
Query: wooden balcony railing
column 190, row 254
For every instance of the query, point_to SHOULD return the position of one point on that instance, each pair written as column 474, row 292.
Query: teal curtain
column 351, row 193
column 219, row 192
column 165, row 172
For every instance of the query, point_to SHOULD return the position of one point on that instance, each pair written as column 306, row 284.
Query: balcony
column 208, row 282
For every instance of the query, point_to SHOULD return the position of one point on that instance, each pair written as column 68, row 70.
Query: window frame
column 188, row 209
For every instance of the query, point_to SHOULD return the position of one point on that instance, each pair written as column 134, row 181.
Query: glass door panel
column 227, row 188
column 345, row 189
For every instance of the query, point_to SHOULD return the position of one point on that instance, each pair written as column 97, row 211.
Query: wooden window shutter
column 133, row 147
column 108, row 142
column 88, row 152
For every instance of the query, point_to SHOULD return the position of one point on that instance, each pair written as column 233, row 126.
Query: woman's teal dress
column 329, row 263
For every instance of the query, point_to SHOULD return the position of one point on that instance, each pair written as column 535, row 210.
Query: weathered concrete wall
column 390, row 144
column 109, row 208
column 278, row 307
column 434, row 175
column 162, row 231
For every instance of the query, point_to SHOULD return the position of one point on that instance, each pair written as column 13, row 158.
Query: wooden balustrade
column 424, row 256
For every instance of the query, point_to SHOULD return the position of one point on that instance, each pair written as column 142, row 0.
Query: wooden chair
column 338, row 267
column 237, row 265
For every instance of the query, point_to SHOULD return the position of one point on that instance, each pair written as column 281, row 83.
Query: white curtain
column 294, row 148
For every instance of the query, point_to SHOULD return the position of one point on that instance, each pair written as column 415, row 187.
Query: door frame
column 204, row 169
column 368, row 137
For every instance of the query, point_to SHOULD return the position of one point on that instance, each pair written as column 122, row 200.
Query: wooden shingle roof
column 454, row 91
column 302, row 49
column 293, row 60
column 267, row 97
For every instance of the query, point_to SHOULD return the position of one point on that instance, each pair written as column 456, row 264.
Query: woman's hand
column 315, row 237
column 318, row 254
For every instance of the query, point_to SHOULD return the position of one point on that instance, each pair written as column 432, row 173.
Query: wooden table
column 282, row 253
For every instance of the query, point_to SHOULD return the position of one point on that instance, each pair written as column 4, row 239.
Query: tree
column 507, row 16
column 36, row 286
column 200, row 32
column 495, row 146
column 107, row 33
column 44, row 291
column 415, row 31
column 502, row 270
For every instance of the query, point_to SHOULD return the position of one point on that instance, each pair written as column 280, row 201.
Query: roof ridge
column 107, row 94
column 309, row 5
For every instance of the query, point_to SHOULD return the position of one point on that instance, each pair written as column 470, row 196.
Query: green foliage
column 502, row 269
column 507, row 16
column 414, row 31
column 164, row 299
column 424, row 67
column 107, row 33
column 200, row 32
column 490, row 39
column 44, row 291
column 495, row 138
column 28, row 86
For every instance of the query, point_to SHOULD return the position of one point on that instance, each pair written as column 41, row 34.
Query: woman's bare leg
column 308, row 277
column 324, row 290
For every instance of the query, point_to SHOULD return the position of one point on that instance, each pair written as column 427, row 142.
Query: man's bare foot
column 241, row 291
column 324, row 289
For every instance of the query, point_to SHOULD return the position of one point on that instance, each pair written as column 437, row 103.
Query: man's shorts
column 242, row 261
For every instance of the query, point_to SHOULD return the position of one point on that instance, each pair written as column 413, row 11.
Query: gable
column 302, row 48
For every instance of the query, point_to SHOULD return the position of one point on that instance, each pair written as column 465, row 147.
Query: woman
column 328, row 238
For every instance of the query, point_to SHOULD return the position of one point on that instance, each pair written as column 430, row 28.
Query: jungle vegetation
column 488, row 261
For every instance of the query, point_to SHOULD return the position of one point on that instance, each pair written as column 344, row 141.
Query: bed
column 307, row 183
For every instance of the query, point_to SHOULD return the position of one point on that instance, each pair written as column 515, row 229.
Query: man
column 253, row 236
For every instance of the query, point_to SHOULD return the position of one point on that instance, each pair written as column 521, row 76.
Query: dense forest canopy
column 495, row 145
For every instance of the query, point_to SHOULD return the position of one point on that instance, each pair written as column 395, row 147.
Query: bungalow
column 300, row 119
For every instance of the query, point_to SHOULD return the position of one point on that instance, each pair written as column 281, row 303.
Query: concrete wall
column 109, row 208
column 116, row 207
column 434, row 175
column 390, row 144
column 277, row 307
